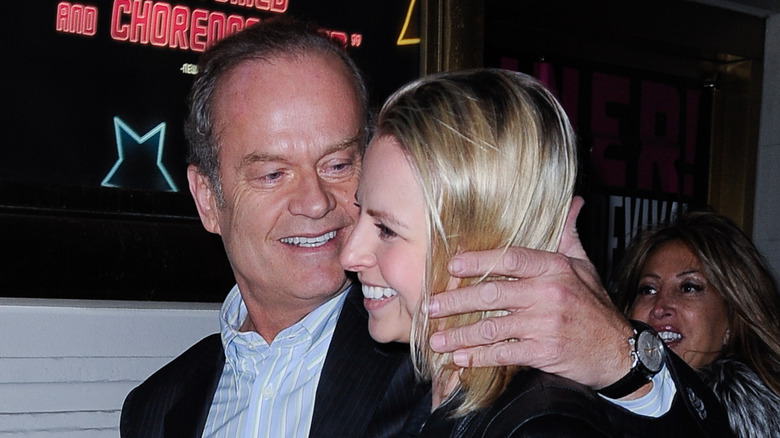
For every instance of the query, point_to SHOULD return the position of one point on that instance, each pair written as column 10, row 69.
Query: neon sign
column 175, row 26
column 403, row 38
column 139, row 165
column 162, row 24
column 77, row 19
column 262, row 5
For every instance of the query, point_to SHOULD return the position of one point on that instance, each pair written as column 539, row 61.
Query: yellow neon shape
column 402, row 40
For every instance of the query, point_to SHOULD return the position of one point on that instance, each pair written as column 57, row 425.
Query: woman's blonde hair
column 733, row 266
column 496, row 158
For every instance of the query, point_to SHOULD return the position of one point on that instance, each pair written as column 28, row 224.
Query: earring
column 726, row 337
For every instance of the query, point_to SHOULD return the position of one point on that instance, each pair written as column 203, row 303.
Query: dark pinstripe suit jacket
column 366, row 389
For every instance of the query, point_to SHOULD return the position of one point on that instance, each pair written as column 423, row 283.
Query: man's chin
column 328, row 282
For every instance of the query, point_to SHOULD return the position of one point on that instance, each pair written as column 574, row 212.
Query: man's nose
column 312, row 197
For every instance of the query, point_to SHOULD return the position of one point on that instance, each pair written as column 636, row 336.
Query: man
column 277, row 127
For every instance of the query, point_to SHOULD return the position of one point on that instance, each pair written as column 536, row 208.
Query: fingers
column 488, row 355
column 480, row 351
column 535, row 270
column 516, row 262
column 570, row 241
column 484, row 296
column 485, row 332
column 589, row 346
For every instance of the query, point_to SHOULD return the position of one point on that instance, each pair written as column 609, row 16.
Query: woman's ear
column 726, row 337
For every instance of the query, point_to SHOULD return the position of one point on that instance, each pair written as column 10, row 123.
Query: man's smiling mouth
column 309, row 242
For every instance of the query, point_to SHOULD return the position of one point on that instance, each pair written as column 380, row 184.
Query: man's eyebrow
column 260, row 157
column 347, row 143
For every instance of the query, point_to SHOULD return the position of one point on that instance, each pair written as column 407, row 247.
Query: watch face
column 650, row 349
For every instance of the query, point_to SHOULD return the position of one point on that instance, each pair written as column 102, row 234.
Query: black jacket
column 537, row 404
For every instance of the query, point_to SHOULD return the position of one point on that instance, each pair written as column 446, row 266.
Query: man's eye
column 341, row 166
column 270, row 177
column 337, row 167
column 384, row 231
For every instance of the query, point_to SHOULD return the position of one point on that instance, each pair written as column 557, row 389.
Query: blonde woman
column 464, row 162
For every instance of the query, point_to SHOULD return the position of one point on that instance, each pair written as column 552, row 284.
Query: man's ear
column 200, row 188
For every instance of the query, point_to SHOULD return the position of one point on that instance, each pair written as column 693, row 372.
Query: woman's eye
column 646, row 290
column 691, row 287
column 384, row 231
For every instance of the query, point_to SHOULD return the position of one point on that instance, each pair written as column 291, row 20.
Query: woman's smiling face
column 389, row 245
column 675, row 297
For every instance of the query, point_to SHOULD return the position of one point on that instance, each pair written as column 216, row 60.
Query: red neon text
column 344, row 39
column 77, row 18
column 164, row 25
column 644, row 139
column 643, row 134
column 263, row 5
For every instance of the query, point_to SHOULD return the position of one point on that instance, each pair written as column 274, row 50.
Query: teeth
column 377, row 293
column 309, row 242
column 667, row 336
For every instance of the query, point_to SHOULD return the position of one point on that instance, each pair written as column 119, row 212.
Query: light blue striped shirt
column 269, row 390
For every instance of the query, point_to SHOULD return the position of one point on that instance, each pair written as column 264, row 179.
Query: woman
column 705, row 288
column 462, row 162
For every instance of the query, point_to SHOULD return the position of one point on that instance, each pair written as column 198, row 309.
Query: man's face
column 289, row 132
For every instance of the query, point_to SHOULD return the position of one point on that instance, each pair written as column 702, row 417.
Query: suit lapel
column 187, row 417
column 357, row 379
column 356, row 374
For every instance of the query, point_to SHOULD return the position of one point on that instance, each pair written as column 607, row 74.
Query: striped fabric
column 269, row 390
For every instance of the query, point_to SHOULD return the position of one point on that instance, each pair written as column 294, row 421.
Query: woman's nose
column 357, row 254
column 663, row 306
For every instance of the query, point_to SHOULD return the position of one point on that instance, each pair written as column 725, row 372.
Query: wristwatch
column 648, row 354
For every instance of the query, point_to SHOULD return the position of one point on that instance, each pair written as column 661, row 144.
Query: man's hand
column 559, row 313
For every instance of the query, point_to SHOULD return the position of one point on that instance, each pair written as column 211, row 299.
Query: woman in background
column 704, row 287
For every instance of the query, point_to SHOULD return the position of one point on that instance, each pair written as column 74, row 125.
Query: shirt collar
column 314, row 328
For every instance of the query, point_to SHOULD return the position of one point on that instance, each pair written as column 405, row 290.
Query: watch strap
column 637, row 376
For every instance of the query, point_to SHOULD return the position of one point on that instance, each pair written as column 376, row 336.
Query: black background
column 62, row 235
